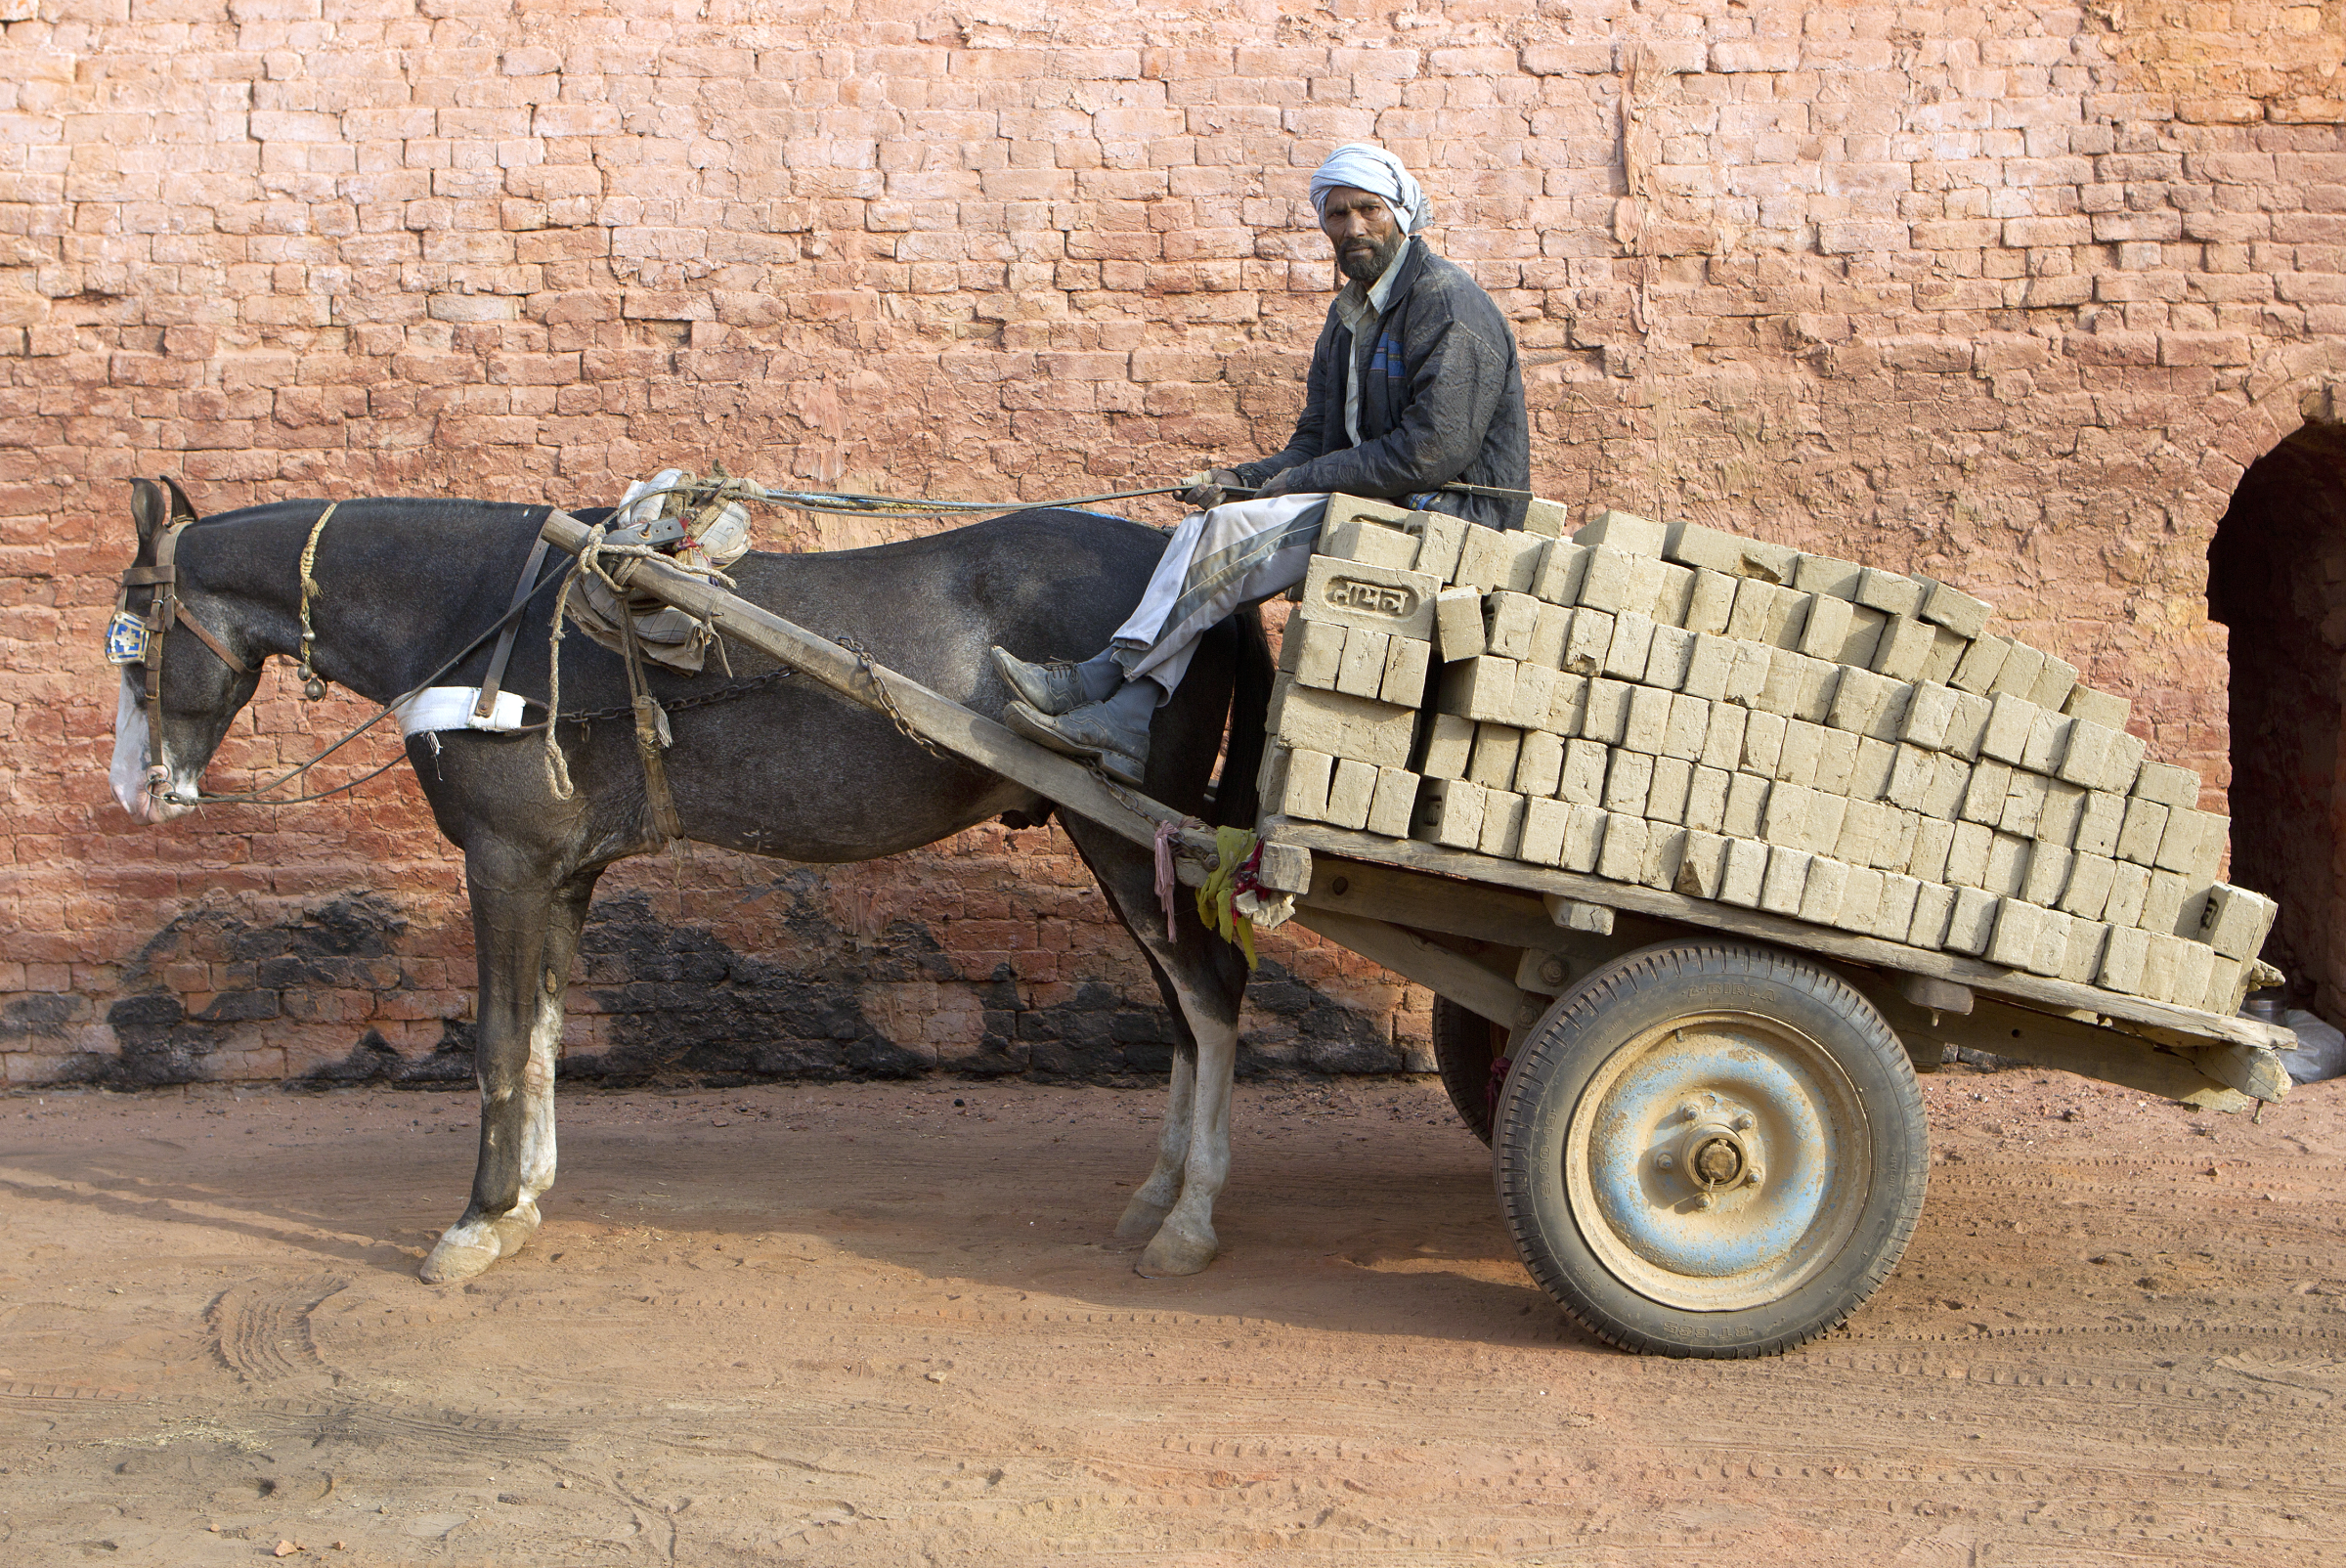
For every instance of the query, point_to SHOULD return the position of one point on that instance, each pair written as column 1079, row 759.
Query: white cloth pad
column 451, row 708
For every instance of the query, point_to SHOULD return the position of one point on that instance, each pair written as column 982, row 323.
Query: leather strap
column 486, row 706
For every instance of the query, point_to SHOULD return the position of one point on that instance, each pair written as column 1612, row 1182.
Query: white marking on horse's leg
column 1185, row 1243
column 538, row 1082
column 469, row 1246
column 1155, row 1196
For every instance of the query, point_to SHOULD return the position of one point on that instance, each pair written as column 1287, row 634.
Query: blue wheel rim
column 1718, row 1163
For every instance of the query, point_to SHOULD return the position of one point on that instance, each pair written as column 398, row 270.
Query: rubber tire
column 1641, row 991
column 1466, row 1044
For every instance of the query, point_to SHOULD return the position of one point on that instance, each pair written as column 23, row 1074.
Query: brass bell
column 313, row 688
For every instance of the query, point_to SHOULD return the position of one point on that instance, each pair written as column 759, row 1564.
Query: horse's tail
column 1237, row 798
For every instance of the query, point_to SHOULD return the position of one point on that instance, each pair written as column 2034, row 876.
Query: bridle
column 132, row 639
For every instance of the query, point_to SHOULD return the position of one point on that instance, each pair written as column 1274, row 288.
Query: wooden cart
column 1705, row 1122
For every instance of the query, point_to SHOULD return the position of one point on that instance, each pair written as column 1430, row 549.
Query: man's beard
column 1367, row 266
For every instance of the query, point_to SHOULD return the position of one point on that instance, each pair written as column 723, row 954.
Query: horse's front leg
column 521, row 925
column 565, row 919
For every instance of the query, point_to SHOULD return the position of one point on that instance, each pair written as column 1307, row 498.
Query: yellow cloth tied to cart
column 1237, row 851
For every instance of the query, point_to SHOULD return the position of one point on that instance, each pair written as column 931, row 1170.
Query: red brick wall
column 2011, row 294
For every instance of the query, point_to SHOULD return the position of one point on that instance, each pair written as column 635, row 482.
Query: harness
column 133, row 639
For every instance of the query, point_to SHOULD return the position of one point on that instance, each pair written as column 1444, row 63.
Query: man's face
column 1362, row 229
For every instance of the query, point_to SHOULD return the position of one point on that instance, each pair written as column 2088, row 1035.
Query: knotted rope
column 311, row 686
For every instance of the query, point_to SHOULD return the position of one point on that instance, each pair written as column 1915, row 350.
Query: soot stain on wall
column 684, row 1006
column 269, row 970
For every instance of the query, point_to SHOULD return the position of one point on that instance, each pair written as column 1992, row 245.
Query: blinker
column 125, row 638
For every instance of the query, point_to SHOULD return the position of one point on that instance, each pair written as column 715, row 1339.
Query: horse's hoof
column 458, row 1258
column 469, row 1246
column 1170, row 1256
column 1141, row 1220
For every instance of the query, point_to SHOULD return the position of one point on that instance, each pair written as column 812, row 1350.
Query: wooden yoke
column 938, row 721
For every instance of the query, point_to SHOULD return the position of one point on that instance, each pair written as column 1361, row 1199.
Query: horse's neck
column 395, row 597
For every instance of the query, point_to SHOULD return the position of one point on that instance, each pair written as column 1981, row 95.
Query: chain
column 887, row 703
column 726, row 693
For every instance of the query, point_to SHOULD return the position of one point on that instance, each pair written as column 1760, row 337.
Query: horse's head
column 172, row 712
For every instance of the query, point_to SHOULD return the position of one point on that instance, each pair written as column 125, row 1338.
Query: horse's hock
column 2048, row 315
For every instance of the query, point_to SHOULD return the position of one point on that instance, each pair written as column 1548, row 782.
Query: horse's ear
column 148, row 509
column 181, row 506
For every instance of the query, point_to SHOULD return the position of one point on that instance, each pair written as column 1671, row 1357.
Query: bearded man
column 1416, row 397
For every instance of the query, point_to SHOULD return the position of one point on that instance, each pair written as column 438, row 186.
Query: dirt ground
column 876, row 1325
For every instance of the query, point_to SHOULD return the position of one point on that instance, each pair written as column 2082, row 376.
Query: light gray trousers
column 1239, row 552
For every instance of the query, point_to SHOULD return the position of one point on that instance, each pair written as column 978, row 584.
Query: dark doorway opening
column 2276, row 576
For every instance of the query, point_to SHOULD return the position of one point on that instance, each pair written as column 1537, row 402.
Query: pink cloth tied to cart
column 1167, row 884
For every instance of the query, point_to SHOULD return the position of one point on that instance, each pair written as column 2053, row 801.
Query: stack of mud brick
column 1731, row 719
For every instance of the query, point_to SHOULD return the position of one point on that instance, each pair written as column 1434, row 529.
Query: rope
column 591, row 551
column 311, row 686
column 846, row 504
column 854, row 504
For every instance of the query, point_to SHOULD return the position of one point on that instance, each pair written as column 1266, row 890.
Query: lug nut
column 1702, row 1201
column 1743, row 1121
column 1664, row 1161
column 1756, row 1176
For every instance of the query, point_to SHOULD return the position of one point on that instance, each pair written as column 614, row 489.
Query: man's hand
column 1204, row 490
column 1280, row 484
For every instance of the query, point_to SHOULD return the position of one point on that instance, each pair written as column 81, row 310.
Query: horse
column 774, row 767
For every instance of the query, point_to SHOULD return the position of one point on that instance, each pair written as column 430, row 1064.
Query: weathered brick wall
column 2012, row 295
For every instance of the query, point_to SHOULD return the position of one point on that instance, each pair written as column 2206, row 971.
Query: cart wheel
column 1712, row 1148
column 1470, row 1050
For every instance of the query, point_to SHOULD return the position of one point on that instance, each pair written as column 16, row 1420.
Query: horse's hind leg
column 1203, row 979
column 525, row 933
column 1185, row 1241
column 1156, row 1198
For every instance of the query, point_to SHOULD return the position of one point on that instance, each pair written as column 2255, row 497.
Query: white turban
column 1379, row 173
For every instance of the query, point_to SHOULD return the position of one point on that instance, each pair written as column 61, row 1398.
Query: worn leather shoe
column 1054, row 687
column 1090, row 733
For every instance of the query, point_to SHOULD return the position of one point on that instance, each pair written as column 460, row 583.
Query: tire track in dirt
column 261, row 1330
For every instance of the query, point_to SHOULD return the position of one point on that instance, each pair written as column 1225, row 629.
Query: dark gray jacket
column 1441, row 399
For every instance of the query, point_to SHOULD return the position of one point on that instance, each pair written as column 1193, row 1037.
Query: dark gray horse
column 779, row 769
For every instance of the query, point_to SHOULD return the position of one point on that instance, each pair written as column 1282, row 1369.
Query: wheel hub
column 1717, row 1150
column 1718, row 1160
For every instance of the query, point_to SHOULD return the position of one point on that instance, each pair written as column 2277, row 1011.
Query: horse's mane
column 427, row 504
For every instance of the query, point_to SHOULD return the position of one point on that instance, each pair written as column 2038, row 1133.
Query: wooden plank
column 1709, row 915
column 2026, row 1035
column 941, row 721
column 1430, row 903
column 1409, row 955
